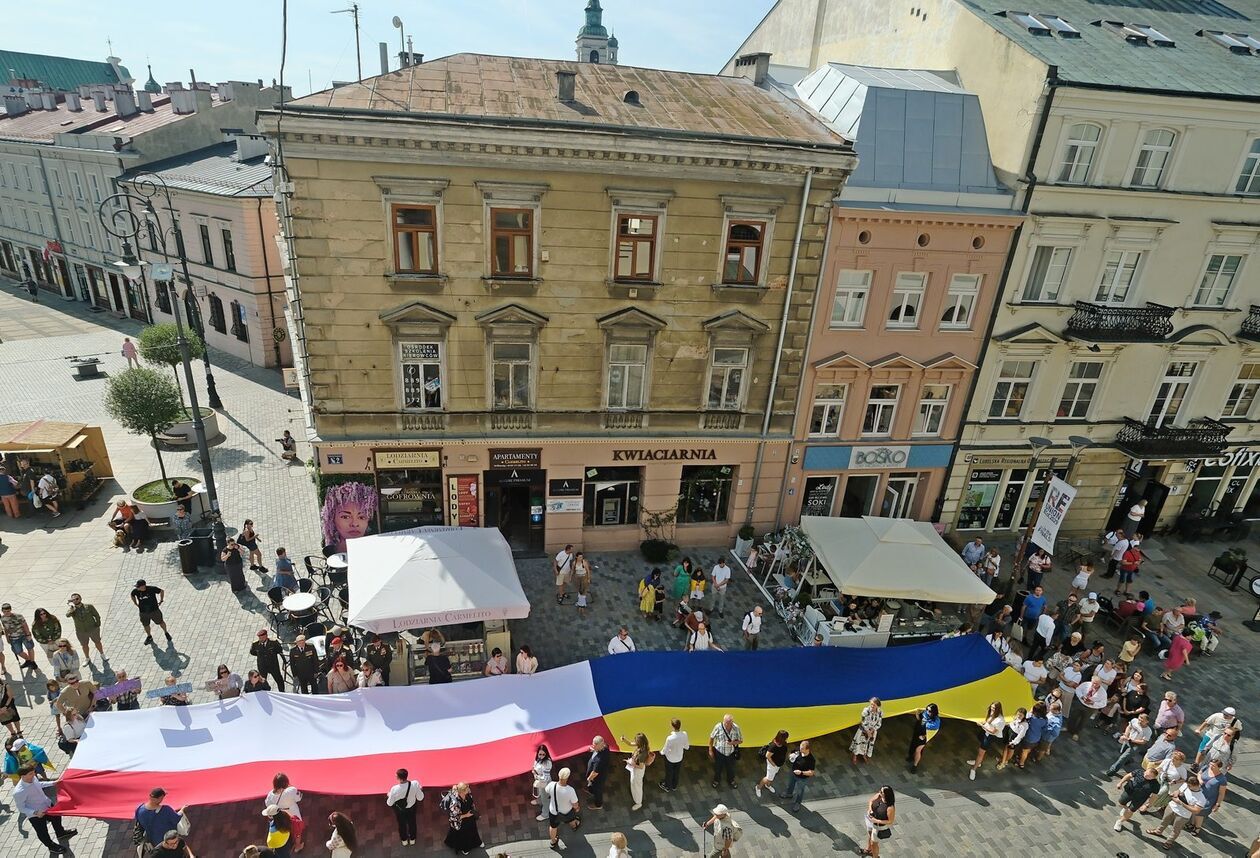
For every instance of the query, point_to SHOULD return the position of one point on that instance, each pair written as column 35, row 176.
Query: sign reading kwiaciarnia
column 1058, row 498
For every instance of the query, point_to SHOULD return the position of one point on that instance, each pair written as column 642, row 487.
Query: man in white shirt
column 30, row 800
column 561, row 804
column 1088, row 608
column 1045, row 633
column 48, row 491
column 1092, row 696
column 701, row 639
column 403, row 798
column 1186, row 801
column 752, row 627
column 1106, row 672
column 563, row 565
column 720, row 575
column 1035, row 672
column 1069, row 680
column 1118, row 542
column 1137, row 512
column 621, row 642
column 675, row 743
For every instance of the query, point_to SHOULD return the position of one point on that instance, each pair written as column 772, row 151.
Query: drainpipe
column 778, row 350
column 1030, row 184
column 800, row 389
column 271, row 301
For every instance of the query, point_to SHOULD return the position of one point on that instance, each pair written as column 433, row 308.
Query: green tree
column 159, row 345
column 145, row 402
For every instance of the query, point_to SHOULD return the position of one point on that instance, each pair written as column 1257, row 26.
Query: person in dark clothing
column 269, row 654
column 183, row 495
column 597, row 772
column 149, row 601
column 379, row 655
column 336, row 650
column 438, row 664
column 304, row 662
column 233, row 561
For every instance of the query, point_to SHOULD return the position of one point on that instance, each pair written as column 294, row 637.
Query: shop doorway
column 514, row 504
column 899, row 496
column 115, row 288
column 859, row 496
column 1145, row 485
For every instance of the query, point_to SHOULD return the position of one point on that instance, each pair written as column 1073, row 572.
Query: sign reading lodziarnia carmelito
column 665, row 455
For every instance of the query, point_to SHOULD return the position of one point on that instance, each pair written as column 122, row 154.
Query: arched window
column 1153, row 158
column 595, row 56
column 1078, row 153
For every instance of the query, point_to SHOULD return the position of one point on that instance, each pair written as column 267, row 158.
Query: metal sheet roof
column 213, row 170
column 517, row 88
column 64, row 73
column 1101, row 57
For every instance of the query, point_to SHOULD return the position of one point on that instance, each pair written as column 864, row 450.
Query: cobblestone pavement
column 1061, row 807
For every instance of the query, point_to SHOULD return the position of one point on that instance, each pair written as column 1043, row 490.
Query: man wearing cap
column 1211, row 729
column 723, row 831
column 87, row 624
column 304, row 662
column 149, row 601
column 76, row 694
column 269, row 654
column 380, row 656
column 560, row 803
column 30, row 800
column 155, row 819
column 24, row 753
column 1088, row 609
column 335, row 649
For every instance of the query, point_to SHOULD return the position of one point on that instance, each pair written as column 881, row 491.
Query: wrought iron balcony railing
column 623, row 420
column 722, row 420
column 1250, row 329
column 1202, row 436
column 1149, row 324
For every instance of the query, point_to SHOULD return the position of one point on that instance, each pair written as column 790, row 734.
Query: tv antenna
column 354, row 13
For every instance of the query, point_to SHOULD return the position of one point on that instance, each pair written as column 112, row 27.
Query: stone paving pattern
column 1061, row 807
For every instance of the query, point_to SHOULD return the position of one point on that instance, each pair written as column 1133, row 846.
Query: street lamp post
column 121, row 222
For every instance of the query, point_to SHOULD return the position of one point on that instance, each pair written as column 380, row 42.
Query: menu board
column 462, row 498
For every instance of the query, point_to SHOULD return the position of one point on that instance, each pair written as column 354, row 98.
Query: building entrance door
column 899, row 495
column 514, row 504
column 859, row 496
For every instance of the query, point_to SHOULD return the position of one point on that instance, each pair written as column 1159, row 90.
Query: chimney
column 85, row 90
column 756, row 67
column 15, row 105
column 383, row 47
column 99, row 98
column 144, row 101
column 249, row 146
column 73, row 102
column 202, row 86
column 33, row 101
column 566, row 82
column 183, row 101
column 50, row 100
column 225, row 91
column 124, row 102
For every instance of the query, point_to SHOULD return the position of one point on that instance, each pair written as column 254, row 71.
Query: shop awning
column 893, row 558
column 433, row 576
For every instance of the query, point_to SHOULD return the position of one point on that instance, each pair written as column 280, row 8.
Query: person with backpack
column 403, row 798
column 751, row 627
column 1130, row 564
column 1116, row 542
column 726, row 832
column 775, row 754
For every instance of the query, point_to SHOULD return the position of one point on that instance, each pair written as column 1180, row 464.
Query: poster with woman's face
column 348, row 510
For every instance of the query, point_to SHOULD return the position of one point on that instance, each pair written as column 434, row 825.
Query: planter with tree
column 744, row 540
column 159, row 345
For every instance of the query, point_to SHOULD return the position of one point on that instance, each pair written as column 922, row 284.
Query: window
column 415, row 239
column 610, row 496
column 1014, row 378
column 849, row 308
column 512, row 242
column 207, row 251
column 880, row 408
column 745, row 240
column 726, row 379
column 1078, row 153
column 1249, row 177
column 1243, row 394
column 906, row 297
column 511, row 369
column 1152, row 160
column 1172, row 393
column 1218, row 280
column 75, row 182
column 932, row 403
column 1119, row 272
column 636, row 247
column 627, row 370
column 56, row 175
column 421, row 365
column 1048, row 272
column 828, row 409
column 704, row 493
column 96, row 188
column 1078, row 393
column 216, row 315
column 240, row 327
column 229, row 253
column 164, row 297
column 960, row 301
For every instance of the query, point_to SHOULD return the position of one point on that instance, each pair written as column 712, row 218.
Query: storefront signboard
column 509, row 459
column 564, row 504
column 564, row 488
column 398, row 459
column 665, row 455
column 462, row 500
column 880, row 457
column 1009, row 460
column 1245, row 458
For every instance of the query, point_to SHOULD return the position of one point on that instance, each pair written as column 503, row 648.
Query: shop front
column 593, row 494
column 891, row 481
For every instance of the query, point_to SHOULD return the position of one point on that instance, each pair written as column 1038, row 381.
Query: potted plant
column 658, row 527
column 159, row 345
column 744, row 540
column 145, row 402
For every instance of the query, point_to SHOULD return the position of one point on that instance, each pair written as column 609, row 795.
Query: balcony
column 1200, row 437
column 511, row 421
column 432, row 421
column 1102, row 323
column 1250, row 329
column 623, row 419
column 722, row 420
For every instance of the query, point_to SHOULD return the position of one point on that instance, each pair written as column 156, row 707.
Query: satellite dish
column 397, row 22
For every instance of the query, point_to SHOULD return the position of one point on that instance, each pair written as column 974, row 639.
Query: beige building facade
column 553, row 314
column 1128, row 314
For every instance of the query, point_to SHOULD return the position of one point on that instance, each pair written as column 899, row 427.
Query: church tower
column 594, row 45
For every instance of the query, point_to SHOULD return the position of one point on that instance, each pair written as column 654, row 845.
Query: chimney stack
column 50, row 100
column 124, row 102
column 183, row 101
column 33, row 101
column 85, row 90
column 225, row 90
column 755, row 67
column 566, row 84
column 383, row 47
column 144, row 101
column 73, row 103
column 15, row 105
column 99, row 98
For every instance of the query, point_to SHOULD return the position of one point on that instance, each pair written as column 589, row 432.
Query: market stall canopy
column 38, row 435
column 893, row 558
column 433, row 576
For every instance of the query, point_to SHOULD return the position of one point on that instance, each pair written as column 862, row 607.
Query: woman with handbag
column 461, row 811
column 228, row 684
column 880, row 816
column 9, row 715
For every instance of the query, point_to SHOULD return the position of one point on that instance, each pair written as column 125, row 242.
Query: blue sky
column 240, row 39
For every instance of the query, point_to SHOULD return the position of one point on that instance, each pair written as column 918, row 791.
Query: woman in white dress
column 863, row 745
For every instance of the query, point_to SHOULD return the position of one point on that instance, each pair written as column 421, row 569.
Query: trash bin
column 203, row 546
column 187, row 557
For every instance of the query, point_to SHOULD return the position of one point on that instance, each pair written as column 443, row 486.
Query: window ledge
column 1195, row 308
column 417, row 282
column 633, row 288
column 512, row 285
column 741, row 290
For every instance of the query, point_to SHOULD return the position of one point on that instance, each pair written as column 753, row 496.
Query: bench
column 168, row 438
column 86, row 367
